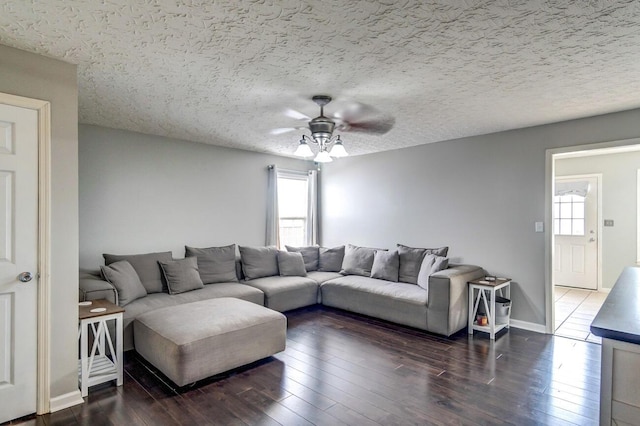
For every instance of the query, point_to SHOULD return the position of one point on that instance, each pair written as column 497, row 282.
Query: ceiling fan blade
column 379, row 126
column 296, row 115
column 282, row 130
column 356, row 112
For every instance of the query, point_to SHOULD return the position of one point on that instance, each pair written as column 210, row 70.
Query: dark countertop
column 619, row 316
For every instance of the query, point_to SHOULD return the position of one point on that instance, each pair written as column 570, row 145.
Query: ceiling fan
column 354, row 117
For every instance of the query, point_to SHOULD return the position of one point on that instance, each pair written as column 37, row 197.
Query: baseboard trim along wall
column 530, row 326
column 66, row 400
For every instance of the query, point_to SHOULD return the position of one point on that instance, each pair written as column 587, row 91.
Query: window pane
column 565, row 211
column 292, row 197
column 565, row 226
column 556, row 210
column 556, row 226
column 578, row 227
column 578, row 210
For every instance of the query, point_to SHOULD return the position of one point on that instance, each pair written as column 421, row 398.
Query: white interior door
column 575, row 220
column 18, row 258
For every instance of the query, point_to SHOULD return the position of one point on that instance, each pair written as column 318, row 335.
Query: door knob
column 25, row 277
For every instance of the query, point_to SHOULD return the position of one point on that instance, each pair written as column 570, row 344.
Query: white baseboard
column 531, row 326
column 67, row 400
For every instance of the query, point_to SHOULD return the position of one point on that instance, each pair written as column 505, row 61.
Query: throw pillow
column 411, row 261
column 310, row 255
column 259, row 262
column 182, row 275
column 386, row 265
column 146, row 266
column 126, row 281
column 358, row 260
column 215, row 264
column 330, row 259
column 291, row 264
column 430, row 265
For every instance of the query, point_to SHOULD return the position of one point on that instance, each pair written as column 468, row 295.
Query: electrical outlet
column 608, row 222
column 539, row 226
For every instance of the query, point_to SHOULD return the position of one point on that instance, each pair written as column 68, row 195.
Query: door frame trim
column 598, row 177
column 43, row 374
column 548, row 216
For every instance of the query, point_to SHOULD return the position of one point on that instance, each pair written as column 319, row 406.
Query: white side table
column 483, row 291
column 95, row 366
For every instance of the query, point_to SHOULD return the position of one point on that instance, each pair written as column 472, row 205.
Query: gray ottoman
column 196, row 340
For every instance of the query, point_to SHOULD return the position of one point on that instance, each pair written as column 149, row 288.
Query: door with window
column 575, row 227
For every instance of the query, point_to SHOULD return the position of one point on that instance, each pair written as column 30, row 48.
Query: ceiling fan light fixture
column 338, row 150
column 303, row 149
column 323, row 157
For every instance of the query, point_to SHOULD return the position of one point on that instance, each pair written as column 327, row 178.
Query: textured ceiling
column 223, row 72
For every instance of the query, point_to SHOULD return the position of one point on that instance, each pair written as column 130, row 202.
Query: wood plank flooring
column 344, row 369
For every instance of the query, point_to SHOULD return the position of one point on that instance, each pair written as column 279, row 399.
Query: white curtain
column 580, row 188
column 312, row 209
column 273, row 219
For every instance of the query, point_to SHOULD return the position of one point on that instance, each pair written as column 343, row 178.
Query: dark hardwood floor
column 341, row 368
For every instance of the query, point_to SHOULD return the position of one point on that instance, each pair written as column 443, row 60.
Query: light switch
column 539, row 226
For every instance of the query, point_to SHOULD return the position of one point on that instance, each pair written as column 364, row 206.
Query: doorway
column 570, row 240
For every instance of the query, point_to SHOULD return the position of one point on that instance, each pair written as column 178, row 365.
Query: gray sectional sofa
column 410, row 286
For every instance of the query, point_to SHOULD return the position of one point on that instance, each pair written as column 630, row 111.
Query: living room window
column 293, row 191
column 292, row 217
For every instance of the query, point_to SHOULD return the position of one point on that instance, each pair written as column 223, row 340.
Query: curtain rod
column 271, row 166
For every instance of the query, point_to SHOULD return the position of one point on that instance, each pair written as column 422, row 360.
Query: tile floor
column 575, row 309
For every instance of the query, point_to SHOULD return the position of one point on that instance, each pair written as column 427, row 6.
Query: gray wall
column 619, row 201
column 33, row 76
column 479, row 195
column 141, row 193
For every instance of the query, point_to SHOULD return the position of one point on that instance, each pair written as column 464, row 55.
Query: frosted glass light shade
column 338, row 150
column 323, row 157
column 303, row 150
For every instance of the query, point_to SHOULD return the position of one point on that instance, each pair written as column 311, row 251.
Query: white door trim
column 44, row 244
column 548, row 216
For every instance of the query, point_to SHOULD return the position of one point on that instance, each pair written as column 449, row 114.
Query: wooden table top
column 84, row 312
column 483, row 281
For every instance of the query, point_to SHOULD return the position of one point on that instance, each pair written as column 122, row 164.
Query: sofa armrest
column 92, row 287
column 448, row 304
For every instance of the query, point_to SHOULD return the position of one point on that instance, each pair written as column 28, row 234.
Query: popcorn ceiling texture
column 223, row 72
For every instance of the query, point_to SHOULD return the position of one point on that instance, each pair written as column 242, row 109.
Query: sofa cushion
column 311, row 256
column 385, row 265
column 125, row 279
column 411, row 261
column 215, row 264
column 258, row 262
column 330, row 259
column 146, row 266
column 286, row 293
column 182, row 275
column 321, row 276
column 430, row 265
column 398, row 302
column 291, row 264
column 358, row 260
